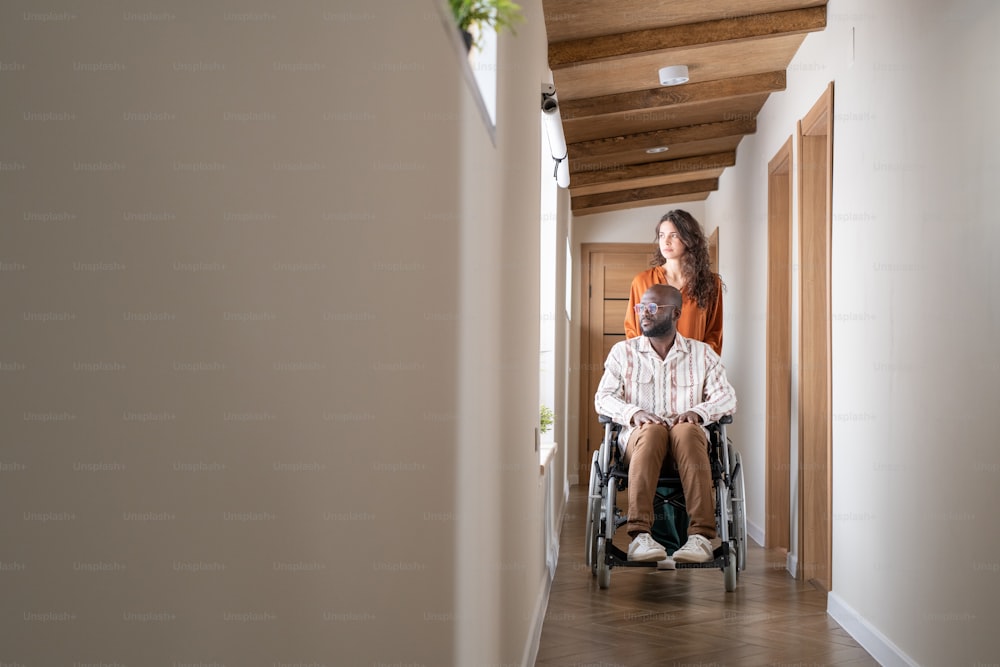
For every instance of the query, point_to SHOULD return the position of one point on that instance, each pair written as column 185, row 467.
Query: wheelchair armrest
column 604, row 419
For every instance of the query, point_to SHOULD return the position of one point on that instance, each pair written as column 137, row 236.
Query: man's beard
column 664, row 328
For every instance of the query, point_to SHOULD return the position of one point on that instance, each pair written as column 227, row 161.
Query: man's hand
column 689, row 417
column 642, row 418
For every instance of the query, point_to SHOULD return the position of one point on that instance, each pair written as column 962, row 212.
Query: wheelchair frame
column 608, row 475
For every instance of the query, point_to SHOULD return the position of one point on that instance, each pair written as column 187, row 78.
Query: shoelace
column 698, row 546
column 646, row 541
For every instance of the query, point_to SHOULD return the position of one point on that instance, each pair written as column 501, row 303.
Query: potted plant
column 470, row 15
column 546, row 417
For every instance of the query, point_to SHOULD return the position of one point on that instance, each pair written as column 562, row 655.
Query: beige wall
column 271, row 337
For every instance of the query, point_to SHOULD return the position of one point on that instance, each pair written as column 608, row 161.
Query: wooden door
column 815, row 169
column 607, row 270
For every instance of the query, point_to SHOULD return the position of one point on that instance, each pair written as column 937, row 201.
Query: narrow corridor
column 685, row 618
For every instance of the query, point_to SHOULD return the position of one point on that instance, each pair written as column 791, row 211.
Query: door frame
column 815, row 187
column 778, row 398
column 713, row 250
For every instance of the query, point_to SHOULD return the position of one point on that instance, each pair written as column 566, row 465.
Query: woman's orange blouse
column 704, row 324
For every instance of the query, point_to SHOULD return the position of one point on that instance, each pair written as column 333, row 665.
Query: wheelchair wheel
column 603, row 569
column 606, row 529
column 739, row 531
column 593, row 516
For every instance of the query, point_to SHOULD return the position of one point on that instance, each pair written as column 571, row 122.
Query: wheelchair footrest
column 617, row 557
column 712, row 564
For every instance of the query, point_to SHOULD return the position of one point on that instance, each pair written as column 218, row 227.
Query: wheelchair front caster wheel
column 729, row 571
column 603, row 569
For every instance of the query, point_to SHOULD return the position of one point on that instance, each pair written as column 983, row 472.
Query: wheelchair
column 608, row 475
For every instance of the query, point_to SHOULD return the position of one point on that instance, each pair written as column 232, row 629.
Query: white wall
column 634, row 225
column 915, row 463
column 270, row 342
column 500, row 558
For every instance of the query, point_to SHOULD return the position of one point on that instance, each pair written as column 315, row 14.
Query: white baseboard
column 538, row 619
column 542, row 605
column 792, row 564
column 755, row 533
column 552, row 558
column 866, row 634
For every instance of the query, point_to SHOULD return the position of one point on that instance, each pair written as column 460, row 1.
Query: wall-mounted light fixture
column 674, row 75
column 554, row 131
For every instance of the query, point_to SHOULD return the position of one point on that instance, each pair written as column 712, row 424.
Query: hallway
column 653, row 618
column 275, row 279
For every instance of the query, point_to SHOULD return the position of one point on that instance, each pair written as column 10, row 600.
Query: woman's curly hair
column 700, row 279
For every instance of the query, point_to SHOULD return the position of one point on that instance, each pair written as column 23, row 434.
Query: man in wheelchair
column 662, row 388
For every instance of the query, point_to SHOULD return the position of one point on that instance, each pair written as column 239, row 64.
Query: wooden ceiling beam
column 634, row 195
column 754, row 26
column 597, row 188
column 663, row 201
column 680, row 135
column 647, row 101
column 651, row 169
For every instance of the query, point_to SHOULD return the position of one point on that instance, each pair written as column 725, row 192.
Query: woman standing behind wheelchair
column 681, row 260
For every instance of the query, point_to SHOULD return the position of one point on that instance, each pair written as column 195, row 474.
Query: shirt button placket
column 659, row 399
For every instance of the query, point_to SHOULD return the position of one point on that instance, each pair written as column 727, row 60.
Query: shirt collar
column 681, row 346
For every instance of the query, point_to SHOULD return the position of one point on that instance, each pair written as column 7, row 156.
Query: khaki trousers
column 682, row 449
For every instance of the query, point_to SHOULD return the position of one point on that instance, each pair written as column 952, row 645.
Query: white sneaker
column 698, row 549
column 645, row 548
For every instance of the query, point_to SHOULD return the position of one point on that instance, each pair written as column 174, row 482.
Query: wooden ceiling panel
column 572, row 19
column 676, row 152
column 605, row 56
column 624, row 205
column 673, row 97
column 615, row 179
column 625, row 124
column 668, row 137
column 705, row 63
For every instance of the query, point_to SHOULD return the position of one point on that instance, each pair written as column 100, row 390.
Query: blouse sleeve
column 713, row 320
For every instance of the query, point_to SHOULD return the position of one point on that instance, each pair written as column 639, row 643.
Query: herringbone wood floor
column 685, row 618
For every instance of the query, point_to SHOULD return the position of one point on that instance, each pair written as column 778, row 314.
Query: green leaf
column 496, row 14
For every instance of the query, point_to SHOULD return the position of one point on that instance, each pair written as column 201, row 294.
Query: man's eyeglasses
column 651, row 308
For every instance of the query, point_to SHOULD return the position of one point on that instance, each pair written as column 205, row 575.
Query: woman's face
column 671, row 246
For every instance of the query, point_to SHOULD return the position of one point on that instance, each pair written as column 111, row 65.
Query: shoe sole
column 691, row 559
column 649, row 558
